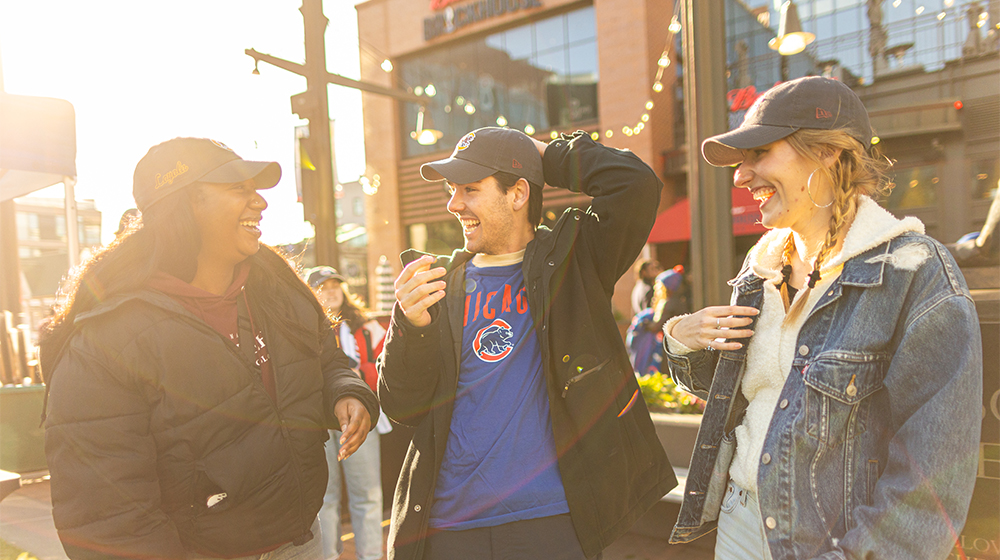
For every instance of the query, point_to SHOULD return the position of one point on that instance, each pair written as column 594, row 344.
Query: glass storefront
column 916, row 187
column 533, row 77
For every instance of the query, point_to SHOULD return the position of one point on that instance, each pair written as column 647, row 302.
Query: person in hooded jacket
column 192, row 377
column 844, row 383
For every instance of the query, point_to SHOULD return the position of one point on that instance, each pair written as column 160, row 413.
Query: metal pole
column 708, row 187
column 72, row 222
column 327, row 251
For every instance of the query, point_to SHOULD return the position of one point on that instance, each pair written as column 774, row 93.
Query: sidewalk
column 26, row 522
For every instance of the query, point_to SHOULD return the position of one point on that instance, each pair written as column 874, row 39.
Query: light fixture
column 501, row 121
column 387, row 65
column 425, row 136
column 791, row 39
column 430, row 90
column 529, row 130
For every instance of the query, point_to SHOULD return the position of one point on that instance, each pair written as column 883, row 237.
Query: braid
column 855, row 173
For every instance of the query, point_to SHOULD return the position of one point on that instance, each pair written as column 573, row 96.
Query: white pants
column 741, row 531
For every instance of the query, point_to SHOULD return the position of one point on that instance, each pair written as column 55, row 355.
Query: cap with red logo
column 810, row 102
column 485, row 151
column 172, row 165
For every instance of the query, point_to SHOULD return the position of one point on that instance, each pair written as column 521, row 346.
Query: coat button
column 765, row 458
column 552, row 263
column 417, row 508
column 783, row 404
column 851, row 390
column 770, row 522
column 565, row 358
column 803, row 350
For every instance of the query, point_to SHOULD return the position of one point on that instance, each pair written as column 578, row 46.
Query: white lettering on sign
column 456, row 17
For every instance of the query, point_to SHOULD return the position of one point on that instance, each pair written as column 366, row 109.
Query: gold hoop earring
column 809, row 191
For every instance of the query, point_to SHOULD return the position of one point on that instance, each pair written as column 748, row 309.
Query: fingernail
column 343, row 428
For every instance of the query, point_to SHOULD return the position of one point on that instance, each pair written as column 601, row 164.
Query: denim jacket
column 873, row 447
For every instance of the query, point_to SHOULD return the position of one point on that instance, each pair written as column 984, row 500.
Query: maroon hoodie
column 220, row 313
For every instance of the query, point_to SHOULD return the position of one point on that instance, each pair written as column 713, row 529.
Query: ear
column 828, row 155
column 520, row 192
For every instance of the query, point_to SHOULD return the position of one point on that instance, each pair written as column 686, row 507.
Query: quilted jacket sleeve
column 102, row 459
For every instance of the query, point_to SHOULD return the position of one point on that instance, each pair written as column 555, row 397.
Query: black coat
column 611, row 462
column 151, row 412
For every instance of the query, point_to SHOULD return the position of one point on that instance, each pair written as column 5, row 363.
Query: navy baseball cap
column 810, row 102
column 485, row 151
column 172, row 165
column 321, row 274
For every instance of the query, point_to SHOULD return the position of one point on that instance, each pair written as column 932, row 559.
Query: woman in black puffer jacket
column 193, row 377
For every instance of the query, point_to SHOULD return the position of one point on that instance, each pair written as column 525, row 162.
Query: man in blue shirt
column 532, row 438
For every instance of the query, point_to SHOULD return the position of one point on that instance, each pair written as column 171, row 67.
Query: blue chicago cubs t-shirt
column 500, row 461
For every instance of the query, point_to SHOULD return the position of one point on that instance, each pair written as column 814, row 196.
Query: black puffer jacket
column 612, row 465
column 151, row 412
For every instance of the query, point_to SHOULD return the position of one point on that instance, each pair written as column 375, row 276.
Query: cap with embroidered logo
column 810, row 102
column 172, row 165
column 485, row 151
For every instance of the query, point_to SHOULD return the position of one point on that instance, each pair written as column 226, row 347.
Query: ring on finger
column 710, row 346
column 718, row 324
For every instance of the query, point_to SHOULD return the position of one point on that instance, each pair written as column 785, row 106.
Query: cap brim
column 726, row 149
column 455, row 170
column 265, row 174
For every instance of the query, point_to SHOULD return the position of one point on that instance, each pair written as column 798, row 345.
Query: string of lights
column 465, row 104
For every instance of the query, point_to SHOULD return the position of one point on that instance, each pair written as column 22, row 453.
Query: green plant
column 11, row 552
column 662, row 395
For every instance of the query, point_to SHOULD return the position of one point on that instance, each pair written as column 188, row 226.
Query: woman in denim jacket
column 844, row 382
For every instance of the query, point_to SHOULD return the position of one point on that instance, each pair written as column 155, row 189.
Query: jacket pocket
column 837, row 398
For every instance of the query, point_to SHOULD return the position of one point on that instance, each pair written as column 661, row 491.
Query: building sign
column 453, row 18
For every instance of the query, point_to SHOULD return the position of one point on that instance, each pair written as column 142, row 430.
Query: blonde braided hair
column 856, row 172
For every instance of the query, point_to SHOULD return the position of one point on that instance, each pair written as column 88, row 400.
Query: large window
column 535, row 77
column 916, row 187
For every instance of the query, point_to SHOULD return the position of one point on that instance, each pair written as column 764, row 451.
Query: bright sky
column 141, row 72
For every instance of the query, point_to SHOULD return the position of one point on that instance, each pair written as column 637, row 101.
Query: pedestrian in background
column 645, row 334
column 642, row 293
column 361, row 339
column 192, row 377
column 532, row 439
column 844, row 384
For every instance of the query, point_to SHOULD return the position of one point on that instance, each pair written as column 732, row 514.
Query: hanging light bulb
column 649, row 105
column 675, row 26
column 664, row 60
column 386, row 66
column 430, row 90
column 644, row 117
column 501, row 121
column 658, row 87
column 791, row 39
column 529, row 130
column 595, row 136
column 470, row 108
column 609, row 133
column 425, row 136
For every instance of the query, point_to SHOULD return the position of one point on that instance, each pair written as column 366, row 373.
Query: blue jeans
column 363, row 475
column 311, row 550
column 741, row 532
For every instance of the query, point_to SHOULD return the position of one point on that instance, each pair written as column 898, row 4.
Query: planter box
column 677, row 433
column 22, row 439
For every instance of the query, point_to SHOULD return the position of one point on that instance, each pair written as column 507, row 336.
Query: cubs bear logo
column 465, row 141
column 494, row 341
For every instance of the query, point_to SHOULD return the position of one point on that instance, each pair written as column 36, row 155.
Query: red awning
column 674, row 223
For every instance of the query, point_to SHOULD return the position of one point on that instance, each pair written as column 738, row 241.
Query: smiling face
column 777, row 176
column 228, row 217
column 490, row 222
column 331, row 295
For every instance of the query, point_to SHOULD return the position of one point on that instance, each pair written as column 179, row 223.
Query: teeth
column 250, row 223
column 468, row 223
column 764, row 193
